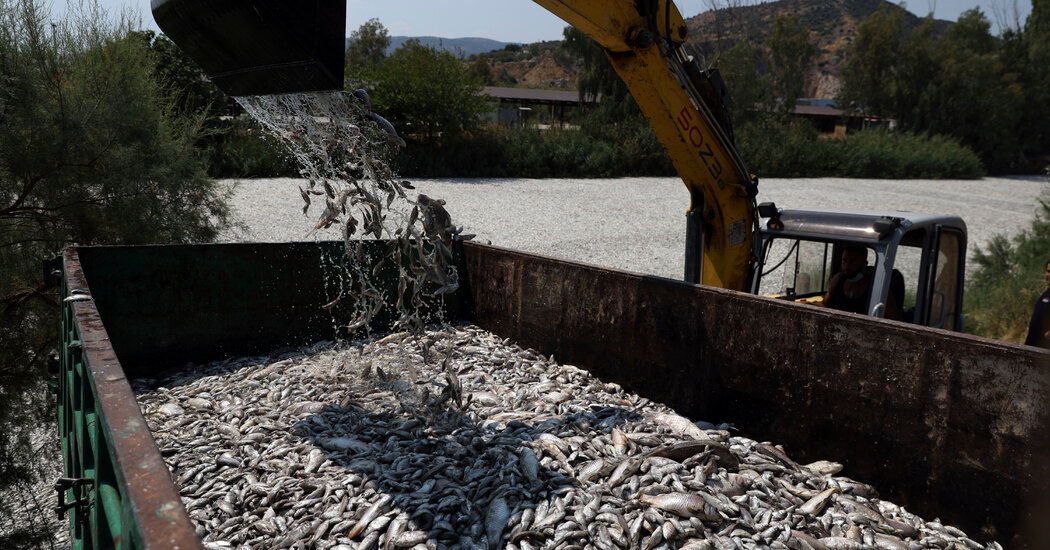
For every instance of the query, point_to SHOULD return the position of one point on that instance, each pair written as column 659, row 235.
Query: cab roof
column 856, row 225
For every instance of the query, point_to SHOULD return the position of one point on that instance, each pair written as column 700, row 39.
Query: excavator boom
column 643, row 40
column 260, row 47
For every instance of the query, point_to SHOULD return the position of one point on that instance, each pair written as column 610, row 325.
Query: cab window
column 795, row 268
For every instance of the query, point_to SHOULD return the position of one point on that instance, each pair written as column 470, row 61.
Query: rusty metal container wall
column 106, row 442
column 165, row 305
column 945, row 423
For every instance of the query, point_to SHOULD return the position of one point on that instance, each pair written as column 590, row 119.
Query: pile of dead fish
column 343, row 446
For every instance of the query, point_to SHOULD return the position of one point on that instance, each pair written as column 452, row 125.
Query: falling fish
column 384, row 124
column 306, row 199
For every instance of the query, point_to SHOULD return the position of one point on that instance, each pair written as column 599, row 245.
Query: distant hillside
column 463, row 47
column 832, row 25
column 536, row 65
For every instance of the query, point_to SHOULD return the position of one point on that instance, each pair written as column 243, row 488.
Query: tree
column 597, row 78
column 427, row 94
column 790, row 56
column 1036, row 79
column 869, row 72
column 183, row 79
column 748, row 87
column 91, row 152
column 481, row 69
column 973, row 97
column 367, row 48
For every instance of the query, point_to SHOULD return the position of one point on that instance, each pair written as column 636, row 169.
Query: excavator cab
column 260, row 47
column 917, row 258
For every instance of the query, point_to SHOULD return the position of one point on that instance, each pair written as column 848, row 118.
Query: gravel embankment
column 638, row 224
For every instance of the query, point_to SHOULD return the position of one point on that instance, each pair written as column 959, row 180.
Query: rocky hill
column 832, row 25
column 537, row 65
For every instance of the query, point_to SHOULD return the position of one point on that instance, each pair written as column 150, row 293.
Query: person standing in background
column 1039, row 326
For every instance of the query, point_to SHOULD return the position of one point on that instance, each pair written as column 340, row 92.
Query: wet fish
column 362, row 444
column 683, row 504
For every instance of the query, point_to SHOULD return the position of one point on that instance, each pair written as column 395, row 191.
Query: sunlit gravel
column 638, row 224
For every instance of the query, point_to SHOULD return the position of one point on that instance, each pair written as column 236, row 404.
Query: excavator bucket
column 260, row 47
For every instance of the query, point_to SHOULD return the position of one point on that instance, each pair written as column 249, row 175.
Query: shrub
column 1007, row 279
column 773, row 147
column 92, row 151
column 240, row 150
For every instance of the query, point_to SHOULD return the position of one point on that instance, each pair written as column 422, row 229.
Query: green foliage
column 182, row 78
column 482, row 71
column 426, row 93
column 240, row 150
column 90, row 153
column 870, row 72
column 775, row 149
column 367, row 48
column 1007, row 278
column 1033, row 57
column 598, row 78
column 748, row 86
column 790, row 55
column 602, row 151
column 968, row 84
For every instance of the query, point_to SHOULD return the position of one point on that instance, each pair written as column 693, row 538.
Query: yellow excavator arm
column 298, row 47
column 646, row 50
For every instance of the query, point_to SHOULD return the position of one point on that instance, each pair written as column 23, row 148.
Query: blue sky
column 522, row 20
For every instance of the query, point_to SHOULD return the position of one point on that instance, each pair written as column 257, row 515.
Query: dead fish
column 627, row 467
column 529, row 465
column 306, row 199
column 815, row 505
column 773, row 452
column 685, row 449
column 802, row 541
column 332, row 304
column 369, row 515
column 824, row 467
column 388, row 129
column 495, row 520
column 619, row 440
column 679, row 425
column 170, row 409
column 683, row 504
column 309, row 440
column 409, row 539
column 436, row 220
column 842, row 543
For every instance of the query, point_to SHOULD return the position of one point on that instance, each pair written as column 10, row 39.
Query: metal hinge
column 64, row 484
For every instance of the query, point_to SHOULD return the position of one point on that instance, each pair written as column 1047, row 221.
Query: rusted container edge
column 143, row 476
column 946, row 423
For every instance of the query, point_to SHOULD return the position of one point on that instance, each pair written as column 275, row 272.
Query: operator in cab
column 850, row 288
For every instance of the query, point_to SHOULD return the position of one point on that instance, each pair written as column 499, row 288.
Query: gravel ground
column 638, row 224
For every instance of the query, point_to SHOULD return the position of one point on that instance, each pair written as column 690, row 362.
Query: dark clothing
column 857, row 304
column 1039, row 324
